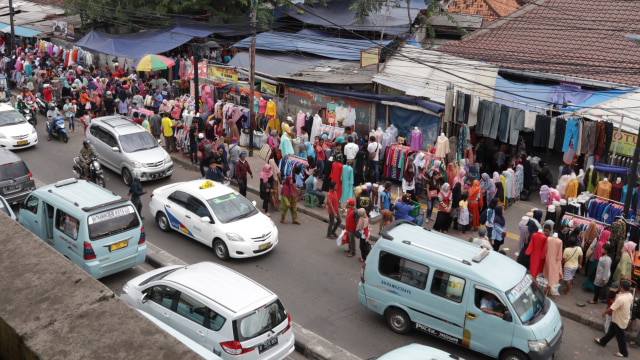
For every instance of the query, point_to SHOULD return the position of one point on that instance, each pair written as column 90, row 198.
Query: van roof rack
column 465, row 262
column 66, row 182
column 90, row 208
column 62, row 196
column 385, row 232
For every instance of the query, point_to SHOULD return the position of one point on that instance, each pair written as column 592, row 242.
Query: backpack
column 208, row 149
column 372, row 155
column 483, row 217
column 544, row 194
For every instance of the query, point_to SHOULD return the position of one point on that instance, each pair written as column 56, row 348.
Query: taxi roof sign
column 207, row 184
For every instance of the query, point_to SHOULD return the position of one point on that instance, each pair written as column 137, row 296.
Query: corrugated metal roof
column 627, row 105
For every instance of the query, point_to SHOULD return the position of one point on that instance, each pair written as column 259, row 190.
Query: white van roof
column 226, row 287
column 457, row 256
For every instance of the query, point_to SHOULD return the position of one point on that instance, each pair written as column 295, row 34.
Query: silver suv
column 125, row 147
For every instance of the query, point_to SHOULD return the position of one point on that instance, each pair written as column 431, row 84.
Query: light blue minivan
column 458, row 292
column 96, row 229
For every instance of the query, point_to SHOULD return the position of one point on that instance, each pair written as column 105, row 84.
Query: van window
column 162, row 295
column 403, row 270
column 32, row 204
column 447, row 286
column 13, row 170
column 261, row 320
column 67, row 224
column 113, row 221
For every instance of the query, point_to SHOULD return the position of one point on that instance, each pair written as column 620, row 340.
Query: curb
column 307, row 343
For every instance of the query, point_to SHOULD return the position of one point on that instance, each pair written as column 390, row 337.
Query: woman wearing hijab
column 274, row 143
column 310, row 151
column 456, row 196
column 499, row 225
column 623, row 270
column 597, row 254
column 459, row 178
column 475, row 203
column 277, row 180
column 288, row 201
column 266, row 185
column 363, row 229
column 499, row 188
column 409, row 181
column 588, row 236
column 488, row 189
column 361, row 160
column 443, row 219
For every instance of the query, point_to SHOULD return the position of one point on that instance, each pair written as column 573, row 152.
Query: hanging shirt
column 350, row 117
column 331, row 114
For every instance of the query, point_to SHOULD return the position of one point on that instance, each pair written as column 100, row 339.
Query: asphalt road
column 315, row 280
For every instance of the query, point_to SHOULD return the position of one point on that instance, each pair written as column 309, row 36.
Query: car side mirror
column 205, row 219
column 144, row 298
column 159, row 141
column 507, row 316
column 254, row 203
column 115, row 149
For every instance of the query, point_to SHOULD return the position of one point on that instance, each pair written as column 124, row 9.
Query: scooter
column 30, row 116
column 57, row 127
column 42, row 105
column 95, row 171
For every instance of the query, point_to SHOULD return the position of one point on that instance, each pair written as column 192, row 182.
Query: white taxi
column 215, row 215
column 15, row 131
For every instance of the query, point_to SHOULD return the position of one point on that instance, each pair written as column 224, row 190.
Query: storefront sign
column 63, row 30
column 267, row 88
column 223, row 75
column 626, row 143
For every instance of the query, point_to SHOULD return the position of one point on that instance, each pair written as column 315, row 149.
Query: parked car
column 125, row 147
column 220, row 309
column 215, row 215
column 417, row 352
column 15, row 131
column 16, row 181
column 5, row 208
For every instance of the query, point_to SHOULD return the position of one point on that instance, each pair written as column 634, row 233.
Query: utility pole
column 13, row 32
column 252, row 73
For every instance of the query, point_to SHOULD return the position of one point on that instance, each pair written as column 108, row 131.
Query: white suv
column 125, row 147
column 220, row 309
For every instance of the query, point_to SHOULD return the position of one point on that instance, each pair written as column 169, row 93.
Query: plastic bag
column 340, row 238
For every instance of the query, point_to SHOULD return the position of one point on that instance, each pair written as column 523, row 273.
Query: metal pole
column 13, row 32
column 252, row 76
column 632, row 179
column 196, row 82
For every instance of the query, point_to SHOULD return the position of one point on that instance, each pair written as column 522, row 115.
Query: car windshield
column 261, row 320
column 11, row 118
column 13, row 170
column 4, row 208
column 113, row 221
column 138, row 141
column 526, row 298
column 231, row 207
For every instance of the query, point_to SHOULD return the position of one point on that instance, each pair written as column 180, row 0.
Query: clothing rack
column 288, row 163
column 609, row 200
column 569, row 216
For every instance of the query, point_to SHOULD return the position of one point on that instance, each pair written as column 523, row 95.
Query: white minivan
column 224, row 311
column 458, row 292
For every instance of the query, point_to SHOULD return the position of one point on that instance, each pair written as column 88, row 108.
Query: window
column 180, row 198
column 447, row 286
column 213, row 320
column 108, row 138
column 13, row 170
column 493, row 303
column 113, row 221
column 403, row 270
column 191, row 309
column 162, row 295
column 231, row 207
column 32, row 204
column 11, row 117
column 261, row 321
column 67, row 224
column 138, row 141
column 197, row 207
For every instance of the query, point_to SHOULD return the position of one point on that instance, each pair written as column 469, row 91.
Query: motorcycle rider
column 27, row 95
column 20, row 105
column 85, row 157
column 52, row 113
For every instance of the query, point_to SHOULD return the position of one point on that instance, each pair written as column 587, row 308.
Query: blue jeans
column 375, row 166
column 72, row 124
column 193, row 152
column 320, row 166
column 430, row 204
column 232, row 168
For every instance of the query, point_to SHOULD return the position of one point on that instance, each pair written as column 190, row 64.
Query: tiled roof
column 490, row 9
column 581, row 38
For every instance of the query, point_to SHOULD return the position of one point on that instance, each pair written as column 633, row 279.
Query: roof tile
column 489, row 9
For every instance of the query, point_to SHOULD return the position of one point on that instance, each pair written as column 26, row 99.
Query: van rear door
column 115, row 233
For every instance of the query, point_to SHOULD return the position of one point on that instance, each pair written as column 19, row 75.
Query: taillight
column 362, row 272
column 143, row 236
column 88, row 252
column 234, row 348
column 288, row 324
column 30, row 177
column 150, row 196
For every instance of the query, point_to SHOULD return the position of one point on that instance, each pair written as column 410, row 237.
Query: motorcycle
column 30, row 116
column 95, row 171
column 57, row 127
column 42, row 105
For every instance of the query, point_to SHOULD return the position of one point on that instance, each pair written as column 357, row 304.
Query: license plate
column 11, row 188
column 119, row 245
column 23, row 142
column 264, row 246
column 268, row 344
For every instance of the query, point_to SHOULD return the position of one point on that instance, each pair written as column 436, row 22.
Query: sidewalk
column 570, row 306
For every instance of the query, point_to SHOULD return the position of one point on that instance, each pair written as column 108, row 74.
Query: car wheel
column 126, row 176
column 163, row 222
column 513, row 354
column 398, row 321
column 220, row 249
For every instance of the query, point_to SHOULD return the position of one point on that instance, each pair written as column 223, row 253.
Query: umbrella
column 152, row 62
column 212, row 44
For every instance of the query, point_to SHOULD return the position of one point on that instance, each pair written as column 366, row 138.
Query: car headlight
column 538, row 345
column 33, row 130
column 234, row 237
column 136, row 164
column 167, row 160
column 125, row 289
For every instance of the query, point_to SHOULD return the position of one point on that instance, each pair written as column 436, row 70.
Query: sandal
column 297, row 222
column 632, row 343
column 361, row 259
column 283, row 222
column 350, row 255
column 267, row 214
column 347, row 251
column 619, row 355
column 597, row 341
column 592, row 302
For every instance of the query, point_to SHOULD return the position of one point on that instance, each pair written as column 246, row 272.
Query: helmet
column 51, row 106
column 19, row 97
column 86, row 142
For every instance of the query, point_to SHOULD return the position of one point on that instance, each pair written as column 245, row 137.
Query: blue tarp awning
column 611, row 169
column 18, row 30
column 276, row 64
column 336, row 48
column 135, row 45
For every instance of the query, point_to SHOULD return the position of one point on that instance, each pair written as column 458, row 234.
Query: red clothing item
column 333, row 202
column 336, row 175
column 537, row 251
column 350, row 222
column 242, row 168
column 48, row 95
column 320, row 153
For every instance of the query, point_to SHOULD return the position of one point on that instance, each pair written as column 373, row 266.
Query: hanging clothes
column 336, row 175
column 442, row 146
column 416, row 139
column 603, row 189
column 616, row 191
column 572, row 189
column 347, row 183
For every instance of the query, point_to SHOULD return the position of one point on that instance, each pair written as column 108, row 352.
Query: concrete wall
column 51, row 309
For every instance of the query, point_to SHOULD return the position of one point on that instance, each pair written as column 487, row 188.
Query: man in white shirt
column 350, row 151
column 374, row 158
column 482, row 239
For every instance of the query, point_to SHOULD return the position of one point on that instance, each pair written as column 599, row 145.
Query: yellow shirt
column 622, row 310
column 286, row 128
column 571, row 256
column 166, row 126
